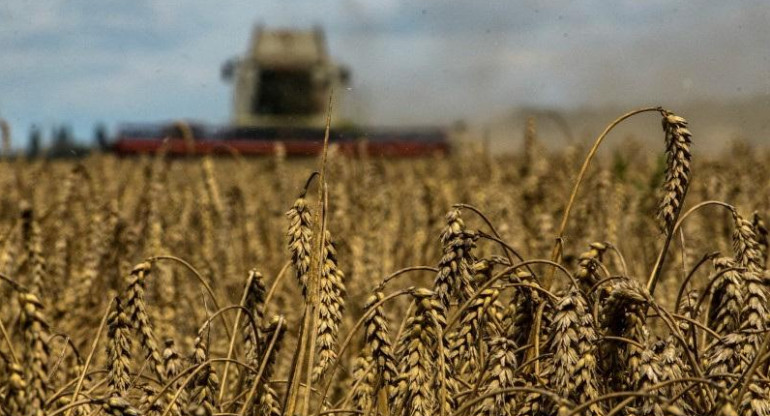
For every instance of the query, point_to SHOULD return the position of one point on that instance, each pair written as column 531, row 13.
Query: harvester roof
column 288, row 47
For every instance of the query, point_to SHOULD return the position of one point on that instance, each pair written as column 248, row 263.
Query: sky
column 414, row 62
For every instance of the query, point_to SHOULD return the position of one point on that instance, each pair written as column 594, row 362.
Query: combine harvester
column 280, row 94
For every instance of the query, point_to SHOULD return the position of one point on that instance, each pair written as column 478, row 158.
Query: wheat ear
column 413, row 394
column 34, row 327
column 119, row 351
column 677, row 179
column 137, row 309
column 331, row 304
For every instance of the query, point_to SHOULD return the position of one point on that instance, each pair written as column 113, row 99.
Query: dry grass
column 439, row 287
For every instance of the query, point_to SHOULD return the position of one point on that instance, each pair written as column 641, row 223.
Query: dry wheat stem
column 646, row 392
column 308, row 329
column 242, row 309
column 90, row 356
column 683, row 286
column 192, row 371
column 491, row 227
column 403, row 271
column 318, row 260
column 263, row 364
column 200, row 278
column 8, row 342
column 557, row 249
column 658, row 267
column 276, row 283
column 317, row 256
column 231, row 347
column 551, row 297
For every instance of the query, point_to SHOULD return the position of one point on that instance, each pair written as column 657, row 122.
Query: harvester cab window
column 284, row 92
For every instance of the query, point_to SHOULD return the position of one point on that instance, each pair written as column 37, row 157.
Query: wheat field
column 471, row 284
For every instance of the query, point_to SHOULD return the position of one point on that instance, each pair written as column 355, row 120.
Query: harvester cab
column 284, row 79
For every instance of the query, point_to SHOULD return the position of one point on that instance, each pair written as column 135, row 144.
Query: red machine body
column 261, row 141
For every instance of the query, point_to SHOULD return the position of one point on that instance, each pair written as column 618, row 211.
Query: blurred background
column 79, row 68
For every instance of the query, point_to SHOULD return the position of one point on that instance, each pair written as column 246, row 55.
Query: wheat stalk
column 760, row 229
column 465, row 345
column 300, row 236
column 364, row 380
column 747, row 250
column 756, row 401
column 573, row 343
column 119, row 351
column 648, row 374
column 726, row 298
column 754, row 316
column 268, row 398
column 137, row 309
column 678, row 157
column 254, row 302
column 36, row 353
column 149, row 403
column 118, row 406
column 330, row 307
column 33, row 246
column 413, row 393
column 672, row 368
column 202, row 392
column 377, row 341
column 172, row 365
column 15, row 400
column 624, row 315
column 500, row 375
column 525, row 303
column 454, row 280
column 588, row 264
